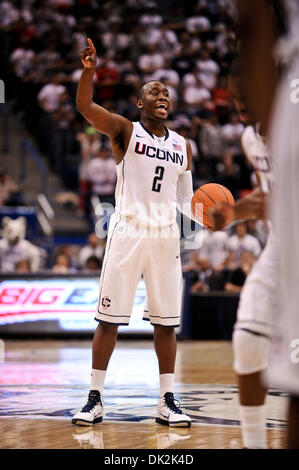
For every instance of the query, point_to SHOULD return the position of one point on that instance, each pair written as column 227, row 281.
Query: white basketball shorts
column 127, row 258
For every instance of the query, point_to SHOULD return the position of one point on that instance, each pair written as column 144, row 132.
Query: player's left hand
column 221, row 216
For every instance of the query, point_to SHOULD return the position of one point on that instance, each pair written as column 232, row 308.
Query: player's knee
column 108, row 328
column 251, row 352
column 163, row 330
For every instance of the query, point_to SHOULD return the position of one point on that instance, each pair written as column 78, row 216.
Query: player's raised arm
column 108, row 123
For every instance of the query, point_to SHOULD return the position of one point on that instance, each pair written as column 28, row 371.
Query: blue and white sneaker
column 92, row 412
column 169, row 413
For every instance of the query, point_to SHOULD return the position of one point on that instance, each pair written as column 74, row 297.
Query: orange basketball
column 209, row 195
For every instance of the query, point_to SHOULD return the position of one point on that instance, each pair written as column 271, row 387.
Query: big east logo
column 46, row 298
column 21, row 295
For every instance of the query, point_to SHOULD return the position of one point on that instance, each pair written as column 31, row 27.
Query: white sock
column 166, row 384
column 97, row 380
column 253, row 425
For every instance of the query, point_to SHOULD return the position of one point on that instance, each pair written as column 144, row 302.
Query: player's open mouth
column 162, row 106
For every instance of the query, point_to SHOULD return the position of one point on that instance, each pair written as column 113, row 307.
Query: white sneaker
column 92, row 412
column 169, row 414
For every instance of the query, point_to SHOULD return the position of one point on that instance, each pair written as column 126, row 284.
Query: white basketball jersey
column 258, row 155
column 147, row 177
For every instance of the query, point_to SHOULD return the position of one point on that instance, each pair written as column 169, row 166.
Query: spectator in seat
column 23, row 266
column 94, row 248
column 90, row 145
column 241, row 241
column 195, row 93
column 48, row 97
column 168, row 74
column 10, row 194
column 202, row 282
column 228, row 174
column 62, row 122
column 214, row 248
column 211, row 140
column 237, row 277
column 114, row 38
column 151, row 61
column 101, row 173
column 222, row 99
column 258, row 229
column 62, row 264
column 232, row 133
column 107, row 80
column 22, row 59
column 202, row 174
column 150, row 18
column 208, row 69
column 93, row 264
column 198, row 23
column 214, row 251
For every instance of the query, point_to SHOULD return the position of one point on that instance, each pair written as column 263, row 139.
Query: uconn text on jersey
column 153, row 152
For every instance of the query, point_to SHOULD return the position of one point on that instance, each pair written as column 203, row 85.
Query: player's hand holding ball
column 252, row 206
column 212, row 205
column 88, row 55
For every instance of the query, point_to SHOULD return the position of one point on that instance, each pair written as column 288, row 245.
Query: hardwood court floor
column 43, row 383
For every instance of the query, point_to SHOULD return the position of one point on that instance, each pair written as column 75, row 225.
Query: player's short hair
column 141, row 90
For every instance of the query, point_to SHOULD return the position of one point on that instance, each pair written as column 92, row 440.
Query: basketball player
column 278, row 107
column 255, row 317
column 153, row 171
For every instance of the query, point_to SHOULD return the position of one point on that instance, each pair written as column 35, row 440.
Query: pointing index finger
column 90, row 43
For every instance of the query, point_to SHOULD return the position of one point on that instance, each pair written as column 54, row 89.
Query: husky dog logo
column 105, row 302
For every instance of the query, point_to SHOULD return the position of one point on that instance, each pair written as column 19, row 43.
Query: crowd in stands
column 65, row 258
column 226, row 257
column 188, row 46
column 10, row 194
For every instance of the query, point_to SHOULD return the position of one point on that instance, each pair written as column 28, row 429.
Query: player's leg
column 251, row 346
column 252, row 393
column 165, row 347
column 163, row 277
column 168, row 412
column 283, row 370
column 104, row 341
column 122, row 267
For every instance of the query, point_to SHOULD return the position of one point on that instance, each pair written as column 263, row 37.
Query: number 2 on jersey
column 159, row 172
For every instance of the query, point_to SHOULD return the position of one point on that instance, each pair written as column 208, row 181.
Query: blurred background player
column 153, row 170
column 255, row 317
column 276, row 108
